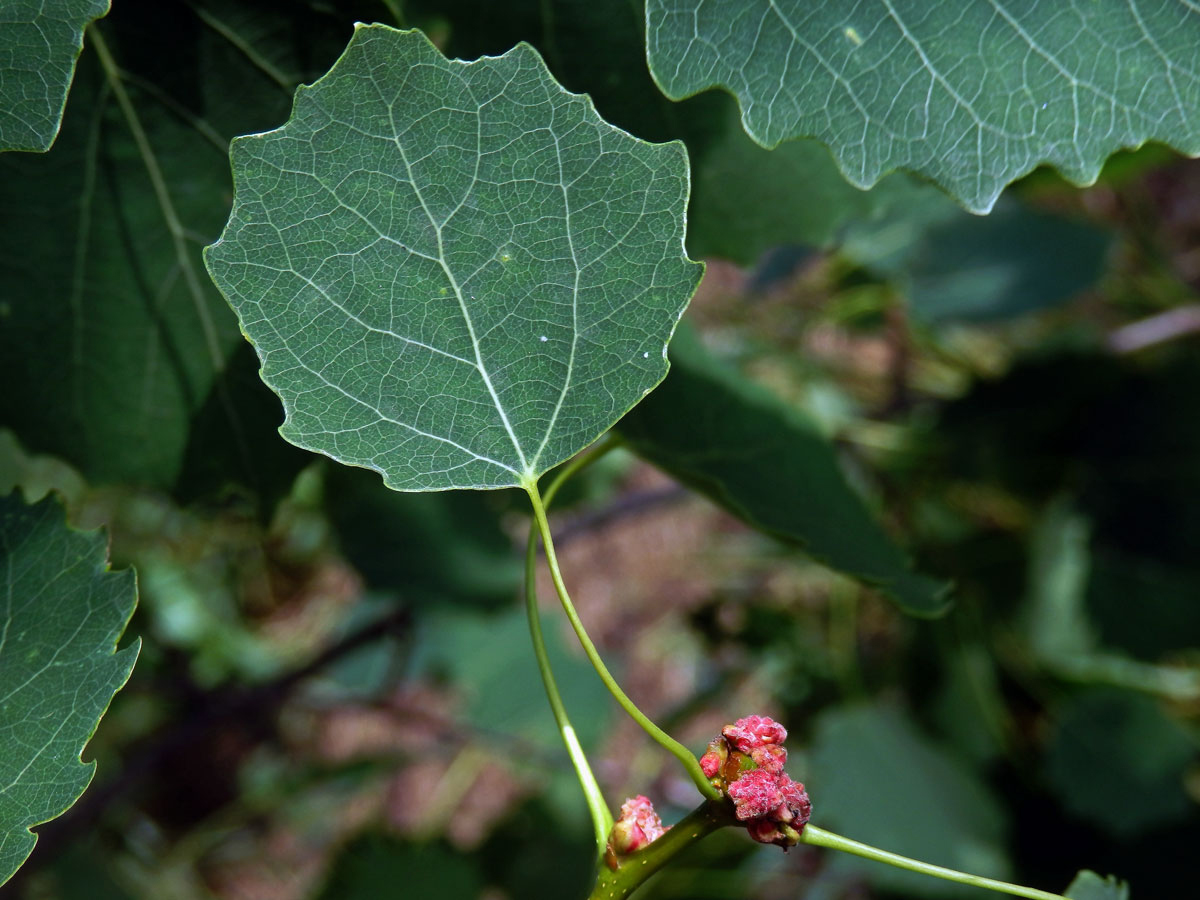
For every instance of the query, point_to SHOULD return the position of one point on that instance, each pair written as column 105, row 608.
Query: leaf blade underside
column 455, row 273
column 971, row 95
column 61, row 615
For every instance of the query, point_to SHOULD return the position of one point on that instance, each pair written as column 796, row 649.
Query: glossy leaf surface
column 455, row 273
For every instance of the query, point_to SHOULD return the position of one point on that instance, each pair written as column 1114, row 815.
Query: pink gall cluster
column 754, row 732
column 746, row 762
column 636, row 827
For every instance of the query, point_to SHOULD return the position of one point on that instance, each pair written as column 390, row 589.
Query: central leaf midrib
column 462, row 304
column 562, row 396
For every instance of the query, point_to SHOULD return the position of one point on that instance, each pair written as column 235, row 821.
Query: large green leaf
column 455, row 273
column 972, row 94
column 121, row 343
column 39, row 43
column 60, row 620
column 769, row 464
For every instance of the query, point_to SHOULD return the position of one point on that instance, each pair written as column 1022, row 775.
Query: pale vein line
column 1015, row 25
column 82, row 238
column 825, row 64
column 911, row 40
column 8, row 597
column 562, row 396
column 36, row 755
column 54, row 656
column 1170, row 67
column 462, row 305
column 267, row 321
column 365, row 325
column 379, row 412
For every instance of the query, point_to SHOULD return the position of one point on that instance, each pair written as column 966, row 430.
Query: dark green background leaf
column 1118, row 761
column 768, row 464
column 121, row 355
column 488, row 660
column 375, row 867
column 60, row 621
column 746, row 200
column 874, row 777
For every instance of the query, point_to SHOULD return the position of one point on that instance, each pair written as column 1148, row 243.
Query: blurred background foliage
column 336, row 695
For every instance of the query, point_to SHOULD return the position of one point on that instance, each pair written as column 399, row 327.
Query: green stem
column 818, row 837
column 602, row 820
column 634, row 869
column 672, row 746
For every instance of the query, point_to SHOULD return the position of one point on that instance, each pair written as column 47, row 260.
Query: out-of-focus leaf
column 39, row 43
column 1118, row 761
column 1061, row 635
column 1088, row 885
column 597, row 48
column 770, row 465
column 970, row 705
column 872, row 775
column 496, row 273
column 1059, row 561
column 956, row 267
column 258, row 458
column 746, row 200
column 487, row 659
column 60, row 621
column 972, row 95
column 559, row 862
column 374, row 867
column 445, row 547
column 35, row 475
column 951, row 266
column 1164, row 620
column 109, row 322
column 1011, row 262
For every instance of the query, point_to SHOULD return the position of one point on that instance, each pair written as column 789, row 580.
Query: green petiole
column 818, row 837
column 686, row 758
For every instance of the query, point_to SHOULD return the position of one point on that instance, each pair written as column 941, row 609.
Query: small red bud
column 754, row 731
column 637, row 826
column 770, row 757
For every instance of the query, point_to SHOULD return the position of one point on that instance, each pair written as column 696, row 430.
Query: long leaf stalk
column 685, row 756
column 602, row 820
column 819, row 837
